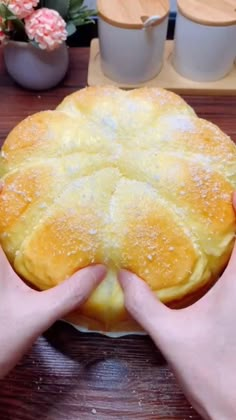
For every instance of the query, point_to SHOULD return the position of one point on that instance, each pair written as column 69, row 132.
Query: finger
column 231, row 267
column 145, row 308
column 69, row 295
column 1, row 186
column 234, row 200
column 8, row 277
column 3, row 258
column 34, row 312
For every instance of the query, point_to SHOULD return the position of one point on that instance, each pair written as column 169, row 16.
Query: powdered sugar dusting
column 179, row 123
column 135, row 150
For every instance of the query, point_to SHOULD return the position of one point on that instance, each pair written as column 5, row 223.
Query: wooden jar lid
column 209, row 12
column 131, row 14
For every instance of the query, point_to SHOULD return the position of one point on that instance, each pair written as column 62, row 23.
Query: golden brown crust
column 130, row 179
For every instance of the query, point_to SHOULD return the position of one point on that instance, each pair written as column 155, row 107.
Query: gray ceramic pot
column 33, row 68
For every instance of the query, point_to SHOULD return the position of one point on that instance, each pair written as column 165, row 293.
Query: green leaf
column 81, row 22
column 13, row 17
column 4, row 11
column 8, row 15
column 71, row 28
column 35, row 44
column 19, row 25
column 61, row 6
column 75, row 5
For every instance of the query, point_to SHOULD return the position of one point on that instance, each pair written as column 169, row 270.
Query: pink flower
column 47, row 28
column 21, row 8
column 3, row 36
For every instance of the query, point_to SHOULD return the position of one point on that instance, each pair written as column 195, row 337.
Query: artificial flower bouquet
column 46, row 23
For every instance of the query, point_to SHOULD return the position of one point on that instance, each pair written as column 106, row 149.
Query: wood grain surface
column 212, row 13
column 123, row 15
column 73, row 376
column 167, row 78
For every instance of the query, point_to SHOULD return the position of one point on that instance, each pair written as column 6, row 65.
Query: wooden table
column 70, row 376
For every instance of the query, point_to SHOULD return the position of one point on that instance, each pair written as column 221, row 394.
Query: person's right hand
column 199, row 342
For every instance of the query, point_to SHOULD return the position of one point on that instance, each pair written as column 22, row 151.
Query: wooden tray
column 168, row 78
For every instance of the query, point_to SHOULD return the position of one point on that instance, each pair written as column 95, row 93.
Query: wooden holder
column 168, row 78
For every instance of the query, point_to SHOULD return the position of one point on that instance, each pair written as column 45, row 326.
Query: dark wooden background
column 73, row 376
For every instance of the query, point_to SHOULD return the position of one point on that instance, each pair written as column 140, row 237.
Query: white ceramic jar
column 132, row 36
column 205, row 38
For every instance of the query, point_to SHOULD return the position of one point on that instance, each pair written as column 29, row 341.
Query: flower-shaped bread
column 133, row 180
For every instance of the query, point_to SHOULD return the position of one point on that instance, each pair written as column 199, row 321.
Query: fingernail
column 234, row 198
column 98, row 271
column 1, row 186
column 124, row 276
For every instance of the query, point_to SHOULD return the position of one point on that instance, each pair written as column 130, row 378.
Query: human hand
column 26, row 313
column 199, row 342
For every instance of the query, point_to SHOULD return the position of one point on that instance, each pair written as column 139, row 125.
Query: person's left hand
column 26, row 313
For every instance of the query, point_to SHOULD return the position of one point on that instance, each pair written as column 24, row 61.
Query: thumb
column 234, row 200
column 231, row 267
column 69, row 295
column 145, row 308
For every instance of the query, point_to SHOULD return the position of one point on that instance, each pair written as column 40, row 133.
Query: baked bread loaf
column 129, row 179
